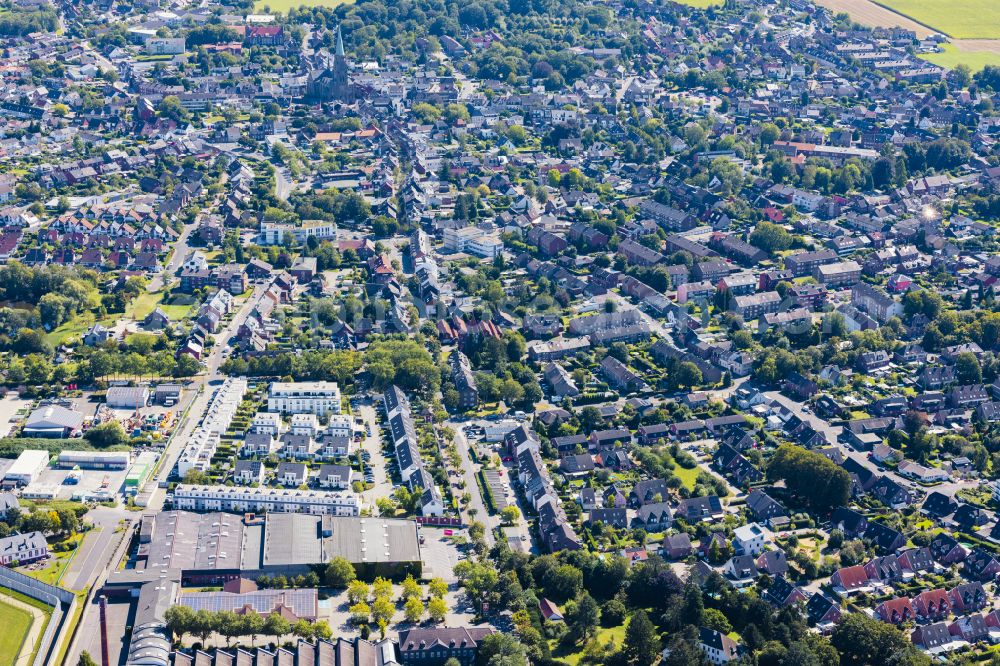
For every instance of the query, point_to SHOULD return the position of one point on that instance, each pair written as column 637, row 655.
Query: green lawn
column 952, row 57
column 285, row 5
column 16, row 624
column 687, row 476
column 149, row 301
column 53, row 570
column 75, row 328
column 615, row 635
column 961, row 19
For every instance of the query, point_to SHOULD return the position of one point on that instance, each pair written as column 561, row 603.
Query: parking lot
column 91, row 481
column 499, row 486
column 376, row 462
column 438, row 554
column 13, row 408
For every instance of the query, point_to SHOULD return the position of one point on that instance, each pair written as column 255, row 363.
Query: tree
column 86, row 659
column 510, row 514
column 864, row 640
column 340, row 573
column 504, row 649
column 360, row 612
column 321, row 630
column 693, row 609
column 687, row 375
column 413, row 610
column 382, row 611
column 187, row 366
column 251, row 624
column 203, row 624
column 769, row 133
column 229, row 624
column 563, row 582
column 584, row 618
column 641, row 645
column 382, row 588
column 170, row 107
column 425, row 113
column 770, row 237
column 180, row 620
column 437, row 587
column 411, row 588
column 715, row 619
column 590, row 418
column 437, row 609
column 277, row 626
column 302, row 629
column 357, row 590
column 107, row 434
column 967, row 369
column 815, row 479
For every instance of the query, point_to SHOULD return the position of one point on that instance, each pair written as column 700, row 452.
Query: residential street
column 833, row 434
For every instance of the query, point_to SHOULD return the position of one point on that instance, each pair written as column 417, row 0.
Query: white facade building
column 473, row 240
column 26, row 468
column 319, row 398
column 264, row 500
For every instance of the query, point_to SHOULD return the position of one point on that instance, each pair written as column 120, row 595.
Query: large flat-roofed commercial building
column 213, row 547
column 188, row 497
column 318, row 398
column 26, row 468
column 94, row 459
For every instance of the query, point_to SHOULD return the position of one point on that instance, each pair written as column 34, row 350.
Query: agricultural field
column 284, row 5
column 960, row 19
column 867, row 12
column 951, row 56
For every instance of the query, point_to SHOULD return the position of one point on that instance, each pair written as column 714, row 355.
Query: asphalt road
column 96, row 549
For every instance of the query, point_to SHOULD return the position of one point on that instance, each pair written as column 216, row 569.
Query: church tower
column 330, row 81
column 341, row 85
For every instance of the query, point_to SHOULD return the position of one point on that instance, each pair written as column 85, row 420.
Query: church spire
column 340, row 43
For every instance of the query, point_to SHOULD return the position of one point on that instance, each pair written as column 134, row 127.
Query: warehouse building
column 26, row 468
column 94, row 459
column 53, row 421
column 127, row 397
column 212, row 548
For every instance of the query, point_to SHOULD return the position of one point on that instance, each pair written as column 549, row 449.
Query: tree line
column 182, row 620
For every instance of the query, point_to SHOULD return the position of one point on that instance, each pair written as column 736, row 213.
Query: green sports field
column 16, row 624
column 961, row 19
